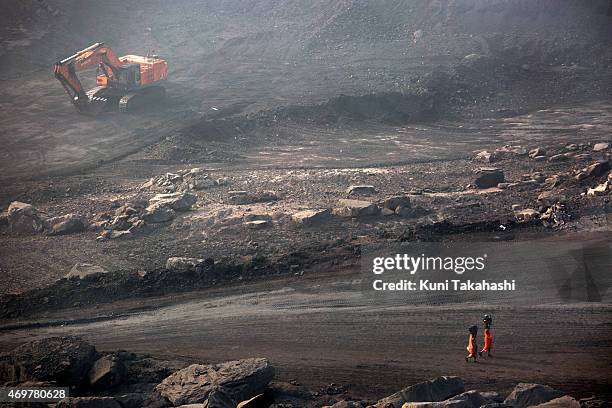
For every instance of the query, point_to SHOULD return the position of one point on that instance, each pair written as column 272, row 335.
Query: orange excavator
column 125, row 83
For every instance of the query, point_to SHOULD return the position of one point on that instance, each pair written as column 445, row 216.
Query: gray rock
column 361, row 190
column 355, row 208
column 119, row 234
column 403, row 211
column 599, row 190
column 526, row 215
column 88, row 402
column 489, row 177
column 548, row 198
column 559, row 157
column 526, row 395
column 311, row 217
column 393, row 202
column 67, row 224
column 594, row 170
column 107, row 372
column 158, row 212
column 385, row 212
column 181, row 201
column 469, row 399
column 258, row 224
column 562, row 402
column 537, row 152
column 181, row 264
column 23, row 218
column 438, row 389
column 64, row 360
column 486, row 157
column 218, row 384
column 82, row 270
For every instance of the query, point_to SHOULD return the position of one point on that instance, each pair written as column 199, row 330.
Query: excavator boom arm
column 66, row 70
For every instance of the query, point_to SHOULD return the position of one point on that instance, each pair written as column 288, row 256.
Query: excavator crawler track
column 146, row 97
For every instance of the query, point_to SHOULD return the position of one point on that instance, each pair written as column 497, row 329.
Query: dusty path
column 325, row 331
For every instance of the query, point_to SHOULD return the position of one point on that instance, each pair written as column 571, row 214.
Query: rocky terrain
column 230, row 223
column 124, row 380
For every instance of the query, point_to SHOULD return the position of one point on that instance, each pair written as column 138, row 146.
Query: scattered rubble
column 244, row 197
column 184, row 180
column 181, row 201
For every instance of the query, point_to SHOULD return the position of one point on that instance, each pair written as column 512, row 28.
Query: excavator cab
column 128, row 77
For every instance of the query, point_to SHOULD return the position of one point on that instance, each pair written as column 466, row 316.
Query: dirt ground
column 306, row 101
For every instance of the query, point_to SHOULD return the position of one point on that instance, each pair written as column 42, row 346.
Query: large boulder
column 355, row 208
column 394, row 202
column 311, row 217
column 67, row 224
column 23, row 218
column 158, row 212
column 181, row 201
column 218, row 385
column 65, row 360
column 489, row 177
column 526, row 395
column 88, row 402
column 438, row 389
column 107, row 372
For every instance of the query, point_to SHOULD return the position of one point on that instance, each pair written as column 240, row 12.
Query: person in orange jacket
column 488, row 337
column 472, row 347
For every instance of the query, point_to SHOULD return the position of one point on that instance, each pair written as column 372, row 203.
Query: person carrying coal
column 472, row 347
column 488, row 337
